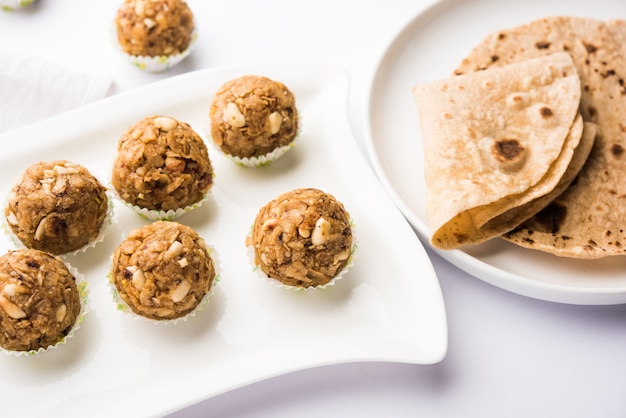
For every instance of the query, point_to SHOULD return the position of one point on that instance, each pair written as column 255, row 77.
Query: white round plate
column 430, row 47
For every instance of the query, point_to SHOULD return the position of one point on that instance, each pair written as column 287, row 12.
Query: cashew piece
column 175, row 249
column 41, row 228
column 180, row 291
column 233, row 116
column 11, row 308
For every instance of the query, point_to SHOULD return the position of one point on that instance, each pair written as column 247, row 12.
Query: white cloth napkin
column 32, row 89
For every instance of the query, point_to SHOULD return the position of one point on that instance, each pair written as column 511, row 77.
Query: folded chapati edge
column 493, row 141
column 587, row 220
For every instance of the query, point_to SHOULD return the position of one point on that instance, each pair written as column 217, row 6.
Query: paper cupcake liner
column 254, row 162
column 107, row 222
column 123, row 307
column 160, row 215
column 157, row 64
column 275, row 282
column 262, row 160
column 11, row 5
column 83, row 293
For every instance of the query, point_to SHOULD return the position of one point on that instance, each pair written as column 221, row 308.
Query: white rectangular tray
column 387, row 308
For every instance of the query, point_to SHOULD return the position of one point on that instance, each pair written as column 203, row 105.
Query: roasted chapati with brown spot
column 588, row 220
column 495, row 141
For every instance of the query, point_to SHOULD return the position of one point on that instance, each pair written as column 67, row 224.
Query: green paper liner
column 262, row 160
column 12, row 5
column 157, row 64
column 161, row 215
column 259, row 161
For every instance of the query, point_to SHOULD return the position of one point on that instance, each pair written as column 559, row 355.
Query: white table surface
column 508, row 355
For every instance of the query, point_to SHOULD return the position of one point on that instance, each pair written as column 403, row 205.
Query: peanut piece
column 60, row 170
column 269, row 224
column 9, row 289
column 201, row 243
column 148, row 134
column 321, row 232
column 140, row 8
column 161, row 19
column 149, row 23
column 136, row 134
column 60, row 313
column 276, row 120
column 46, row 184
column 13, row 289
column 165, row 123
column 139, row 279
column 175, row 165
column 304, row 233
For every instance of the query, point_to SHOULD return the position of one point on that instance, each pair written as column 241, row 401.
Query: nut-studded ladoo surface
column 302, row 238
column 161, row 164
column 252, row 116
column 154, row 27
column 56, row 206
column 162, row 270
column 39, row 300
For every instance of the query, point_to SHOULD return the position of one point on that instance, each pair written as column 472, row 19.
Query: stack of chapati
column 506, row 153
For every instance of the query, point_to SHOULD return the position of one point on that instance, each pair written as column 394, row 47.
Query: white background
column 508, row 355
